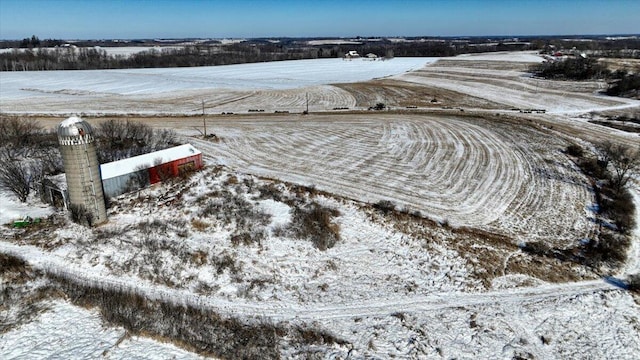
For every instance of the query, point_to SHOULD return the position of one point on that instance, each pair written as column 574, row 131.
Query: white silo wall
column 82, row 169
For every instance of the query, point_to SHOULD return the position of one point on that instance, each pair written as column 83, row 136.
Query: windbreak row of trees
column 71, row 58
column 35, row 54
column 621, row 82
column 90, row 58
column 578, row 68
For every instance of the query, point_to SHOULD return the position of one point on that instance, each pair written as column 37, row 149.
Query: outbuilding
column 119, row 177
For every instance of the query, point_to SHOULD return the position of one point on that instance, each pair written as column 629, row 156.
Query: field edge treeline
column 33, row 54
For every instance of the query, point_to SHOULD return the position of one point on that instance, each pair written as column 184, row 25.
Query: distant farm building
column 351, row 54
column 371, row 56
column 119, row 177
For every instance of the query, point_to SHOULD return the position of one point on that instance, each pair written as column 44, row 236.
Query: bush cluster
column 197, row 328
column 315, row 223
column 624, row 84
column 614, row 202
column 577, row 68
column 80, row 215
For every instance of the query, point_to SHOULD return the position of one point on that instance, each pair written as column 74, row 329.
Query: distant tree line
column 621, row 82
column 35, row 54
column 625, row 84
column 30, row 42
column 578, row 68
column 625, row 47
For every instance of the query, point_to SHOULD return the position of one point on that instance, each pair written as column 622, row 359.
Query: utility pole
column 204, row 120
column 307, row 96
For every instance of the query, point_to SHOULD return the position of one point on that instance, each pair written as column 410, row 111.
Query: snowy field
column 481, row 80
column 65, row 331
column 273, row 75
column 386, row 292
column 390, row 287
column 283, row 86
column 465, row 172
column 524, row 56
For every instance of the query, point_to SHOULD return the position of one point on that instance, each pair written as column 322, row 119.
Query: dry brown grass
column 199, row 257
column 199, row 225
column 488, row 255
column 404, row 94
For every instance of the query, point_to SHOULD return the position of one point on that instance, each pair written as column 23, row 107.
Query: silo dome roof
column 74, row 126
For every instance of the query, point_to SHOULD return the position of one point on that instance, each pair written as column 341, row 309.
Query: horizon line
column 336, row 37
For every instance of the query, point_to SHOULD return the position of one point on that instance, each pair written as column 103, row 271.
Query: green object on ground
column 28, row 220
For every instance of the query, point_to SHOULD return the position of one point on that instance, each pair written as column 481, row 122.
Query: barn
column 119, row 177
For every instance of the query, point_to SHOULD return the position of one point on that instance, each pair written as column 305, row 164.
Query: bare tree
column 623, row 159
column 18, row 132
column 139, row 178
column 122, row 139
column 16, row 176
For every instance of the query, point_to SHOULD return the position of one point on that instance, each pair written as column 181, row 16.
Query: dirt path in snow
column 282, row 311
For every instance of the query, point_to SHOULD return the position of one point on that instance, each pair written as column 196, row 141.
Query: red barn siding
column 174, row 168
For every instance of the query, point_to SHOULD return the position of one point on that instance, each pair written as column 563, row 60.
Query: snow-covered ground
column 469, row 173
column 272, row 75
column 65, row 331
column 284, row 86
column 389, row 289
column 522, row 56
column 386, row 292
column 11, row 209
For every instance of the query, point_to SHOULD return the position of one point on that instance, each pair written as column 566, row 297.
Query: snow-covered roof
column 74, row 126
column 59, row 180
column 126, row 166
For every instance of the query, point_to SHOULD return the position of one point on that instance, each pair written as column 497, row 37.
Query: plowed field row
column 467, row 172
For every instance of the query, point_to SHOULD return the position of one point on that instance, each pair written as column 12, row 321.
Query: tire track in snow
column 468, row 173
column 283, row 311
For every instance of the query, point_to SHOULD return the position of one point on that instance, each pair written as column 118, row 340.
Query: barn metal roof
column 132, row 164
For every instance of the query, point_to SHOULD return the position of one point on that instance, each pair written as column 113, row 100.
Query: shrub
column 80, row 214
column 625, row 85
column 536, row 248
column 575, row 150
column 307, row 335
column 247, row 237
column 571, row 69
column 620, row 207
column 385, row 206
column 633, row 282
column 315, row 223
column 270, row 191
column 609, row 249
column 199, row 224
column 593, row 168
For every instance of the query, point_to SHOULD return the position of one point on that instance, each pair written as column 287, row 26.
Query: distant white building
column 351, row 54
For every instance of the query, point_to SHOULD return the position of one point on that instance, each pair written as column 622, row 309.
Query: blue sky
column 126, row 19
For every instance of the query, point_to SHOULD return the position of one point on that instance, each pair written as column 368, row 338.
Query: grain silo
column 82, row 169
